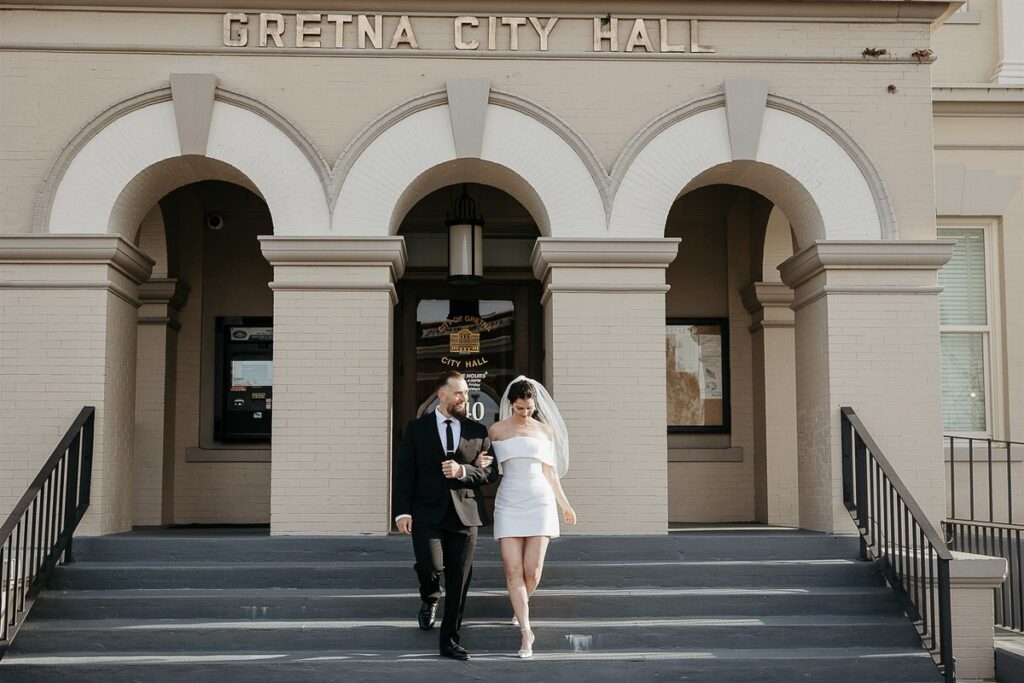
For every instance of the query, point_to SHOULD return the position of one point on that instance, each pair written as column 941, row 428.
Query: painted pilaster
column 604, row 306
column 69, row 306
column 153, row 479
column 772, row 327
column 331, row 452
column 867, row 336
column 1010, row 70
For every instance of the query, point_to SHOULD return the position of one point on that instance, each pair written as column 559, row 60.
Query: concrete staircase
column 751, row 605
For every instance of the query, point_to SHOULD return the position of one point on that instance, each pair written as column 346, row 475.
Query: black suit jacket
column 421, row 490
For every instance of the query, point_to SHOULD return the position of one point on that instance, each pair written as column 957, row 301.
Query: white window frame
column 992, row 345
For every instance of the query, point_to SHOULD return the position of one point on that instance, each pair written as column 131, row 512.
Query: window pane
column 963, row 382
column 962, row 301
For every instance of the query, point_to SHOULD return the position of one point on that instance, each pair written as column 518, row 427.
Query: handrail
column 996, row 540
column 987, row 459
column 38, row 532
column 905, row 544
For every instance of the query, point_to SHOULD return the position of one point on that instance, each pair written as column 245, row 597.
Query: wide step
column 845, row 665
column 741, row 606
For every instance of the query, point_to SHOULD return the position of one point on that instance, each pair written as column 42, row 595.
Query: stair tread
column 421, row 654
column 280, row 592
column 822, row 620
column 405, row 562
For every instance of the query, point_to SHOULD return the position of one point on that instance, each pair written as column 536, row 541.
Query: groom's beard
column 457, row 410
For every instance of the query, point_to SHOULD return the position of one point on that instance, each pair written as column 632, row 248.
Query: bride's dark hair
column 523, row 390
column 520, row 390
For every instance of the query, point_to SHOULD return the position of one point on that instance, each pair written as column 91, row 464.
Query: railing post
column 945, row 624
column 846, row 431
column 74, row 455
column 861, row 480
column 87, row 437
column 952, row 476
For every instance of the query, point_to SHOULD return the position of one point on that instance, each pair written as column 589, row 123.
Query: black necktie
column 450, row 436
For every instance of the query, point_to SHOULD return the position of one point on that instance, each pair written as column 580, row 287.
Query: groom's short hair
column 442, row 380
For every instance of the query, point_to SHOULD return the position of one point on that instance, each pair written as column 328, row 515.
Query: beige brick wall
column 605, row 364
column 333, row 318
column 65, row 344
column 866, row 338
column 333, row 109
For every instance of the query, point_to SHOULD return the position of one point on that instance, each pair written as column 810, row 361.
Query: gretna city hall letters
column 377, row 31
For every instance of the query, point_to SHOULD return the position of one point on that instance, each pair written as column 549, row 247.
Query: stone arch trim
column 656, row 166
column 369, row 183
column 154, row 109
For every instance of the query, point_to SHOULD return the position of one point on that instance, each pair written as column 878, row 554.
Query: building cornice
column 894, row 11
column 978, row 99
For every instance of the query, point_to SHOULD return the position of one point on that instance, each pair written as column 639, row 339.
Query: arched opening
column 204, row 360
column 491, row 331
column 724, row 367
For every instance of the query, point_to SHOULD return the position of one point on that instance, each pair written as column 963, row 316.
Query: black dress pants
column 445, row 548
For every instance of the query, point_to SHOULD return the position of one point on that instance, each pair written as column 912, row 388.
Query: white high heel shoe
column 527, row 652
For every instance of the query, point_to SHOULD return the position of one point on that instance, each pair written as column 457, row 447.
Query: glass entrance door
column 489, row 333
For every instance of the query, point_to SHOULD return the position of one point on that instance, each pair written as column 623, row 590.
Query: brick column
column 972, row 582
column 604, row 308
column 776, row 487
column 867, row 336
column 331, row 449
column 68, row 308
column 153, row 480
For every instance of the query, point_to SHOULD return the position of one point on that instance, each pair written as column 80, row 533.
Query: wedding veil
column 547, row 412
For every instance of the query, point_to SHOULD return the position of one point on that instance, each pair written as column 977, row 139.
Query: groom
column 438, row 500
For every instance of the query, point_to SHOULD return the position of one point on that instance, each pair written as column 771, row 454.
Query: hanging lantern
column 465, row 242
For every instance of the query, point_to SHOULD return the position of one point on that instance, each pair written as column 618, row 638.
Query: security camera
column 214, row 221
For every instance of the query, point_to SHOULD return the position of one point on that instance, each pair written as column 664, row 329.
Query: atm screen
column 251, row 373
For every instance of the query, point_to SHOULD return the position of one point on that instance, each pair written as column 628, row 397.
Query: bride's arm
column 567, row 512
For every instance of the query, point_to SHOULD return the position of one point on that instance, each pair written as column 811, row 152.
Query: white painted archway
column 131, row 156
column 551, row 165
column 799, row 160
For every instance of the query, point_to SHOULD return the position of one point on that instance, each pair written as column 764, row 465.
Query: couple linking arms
column 443, row 460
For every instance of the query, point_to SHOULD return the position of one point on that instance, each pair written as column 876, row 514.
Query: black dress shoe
column 455, row 651
column 427, row 615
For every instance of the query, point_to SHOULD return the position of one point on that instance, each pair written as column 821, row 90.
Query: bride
column 532, row 448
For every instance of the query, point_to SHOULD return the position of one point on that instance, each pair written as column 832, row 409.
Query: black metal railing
column 894, row 532
column 980, row 518
column 996, row 540
column 37, row 534
column 982, row 501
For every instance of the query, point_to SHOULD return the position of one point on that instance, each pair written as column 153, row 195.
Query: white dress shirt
column 442, row 431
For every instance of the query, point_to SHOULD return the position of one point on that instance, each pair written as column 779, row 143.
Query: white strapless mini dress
column 525, row 504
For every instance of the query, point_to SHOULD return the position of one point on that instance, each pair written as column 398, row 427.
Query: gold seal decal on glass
column 464, row 341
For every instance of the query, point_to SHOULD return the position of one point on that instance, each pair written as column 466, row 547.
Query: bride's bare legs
column 536, row 547
column 512, row 558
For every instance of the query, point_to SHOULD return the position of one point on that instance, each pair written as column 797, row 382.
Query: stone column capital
column 968, row 570
column 58, row 249
column 603, row 265
column 769, row 305
column 865, row 267
column 758, row 295
column 64, row 261
column 162, row 299
column 327, row 262
column 551, row 252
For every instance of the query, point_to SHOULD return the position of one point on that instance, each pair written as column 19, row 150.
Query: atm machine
column 244, row 371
